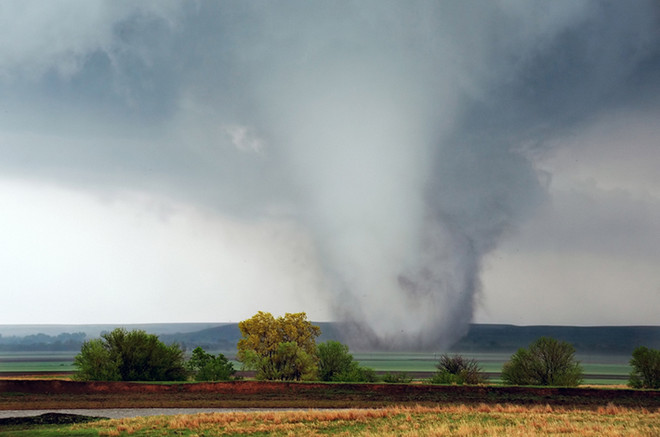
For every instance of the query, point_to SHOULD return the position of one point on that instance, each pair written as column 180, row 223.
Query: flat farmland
column 598, row 369
column 42, row 364
column 36, row 361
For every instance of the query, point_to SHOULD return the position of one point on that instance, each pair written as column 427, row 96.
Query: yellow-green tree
column 279, row 348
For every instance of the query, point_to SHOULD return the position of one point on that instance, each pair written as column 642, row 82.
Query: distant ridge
column 480, row 337
column 225, row 337
column 617, row 340
column 585, row 339
column 94, row 330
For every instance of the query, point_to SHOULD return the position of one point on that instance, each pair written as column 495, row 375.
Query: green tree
column 546, row 362
column 645, row 364
column 293, row 363
column 279, row 348
column 334, row 360
column 96, row 363
column 337, row 364
column 457, row 370
column 130, row 356
column 207, row 367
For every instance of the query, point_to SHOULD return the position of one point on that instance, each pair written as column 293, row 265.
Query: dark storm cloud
column 402, row 135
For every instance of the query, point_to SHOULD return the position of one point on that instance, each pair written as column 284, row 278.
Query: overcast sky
column 411, row 165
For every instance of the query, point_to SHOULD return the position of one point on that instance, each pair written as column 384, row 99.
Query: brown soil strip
column 58, row 394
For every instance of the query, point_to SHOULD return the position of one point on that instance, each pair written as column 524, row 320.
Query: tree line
column 285, row 348
column 42, row 342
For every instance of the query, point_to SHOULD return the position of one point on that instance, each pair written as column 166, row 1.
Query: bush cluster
column 645, row 365
column 337, row 364
column 203, row 366
column 396, row 378
column 285, row 349
column 457, row 370
column 121, row 355
column 546, row 362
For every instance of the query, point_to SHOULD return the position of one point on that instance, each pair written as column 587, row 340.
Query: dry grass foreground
column 457, row 420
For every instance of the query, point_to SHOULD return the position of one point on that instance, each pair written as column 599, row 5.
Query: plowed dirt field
column 60, row 394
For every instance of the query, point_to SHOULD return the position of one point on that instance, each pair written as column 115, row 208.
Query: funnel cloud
column 396, row 145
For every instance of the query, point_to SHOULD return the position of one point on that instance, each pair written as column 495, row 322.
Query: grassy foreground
column 461, row 420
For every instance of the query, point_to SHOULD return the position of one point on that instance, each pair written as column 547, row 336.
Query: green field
column 36, row 362
column 424, row 361
column 606, row 369
column 598, row 369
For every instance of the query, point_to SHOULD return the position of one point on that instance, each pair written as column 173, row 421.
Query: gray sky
column 409, row 166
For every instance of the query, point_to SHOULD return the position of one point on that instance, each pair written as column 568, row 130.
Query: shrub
column 121, row 355
column 95, row 362
column 546, row 362
column 645, row 364
column 457, row 370
column 334, row 360
column 207, row 367
column 397, row 378
column 337, row 364
column 356, row 373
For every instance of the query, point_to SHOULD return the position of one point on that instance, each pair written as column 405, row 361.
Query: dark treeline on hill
column 43, row 342
column 619, row 340
column 586, row 339
column 39, row 338
column 219, row 338
column 225, row 337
